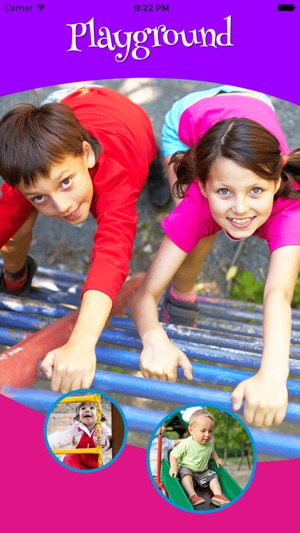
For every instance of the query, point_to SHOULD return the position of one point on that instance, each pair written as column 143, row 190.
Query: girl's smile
column 67, row 192
column 239, row 200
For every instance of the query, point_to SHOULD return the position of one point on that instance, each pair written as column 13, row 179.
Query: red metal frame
column 19, row 364
column 158, row 479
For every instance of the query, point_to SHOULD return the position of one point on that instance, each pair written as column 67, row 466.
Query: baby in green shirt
column 189, row 460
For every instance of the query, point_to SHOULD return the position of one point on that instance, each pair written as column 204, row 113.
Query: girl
column 82, row 434
column 235, row 177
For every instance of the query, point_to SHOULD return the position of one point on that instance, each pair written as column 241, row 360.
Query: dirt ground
column 241, row 475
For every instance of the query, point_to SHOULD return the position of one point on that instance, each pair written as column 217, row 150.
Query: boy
column 87, row 152
column 190, row 459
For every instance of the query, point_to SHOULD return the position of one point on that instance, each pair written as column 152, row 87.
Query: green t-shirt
column 193, row 455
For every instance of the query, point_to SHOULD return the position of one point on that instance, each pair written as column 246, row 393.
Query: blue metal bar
column 175, row 332
column 230, row 326
column 11, row 336
column 195, row 335
column 195, row 351
column 29, row 322
column 238, row 316
column 70, row 278
column 55, row 273
column 21, row 305
column 237, row 328
column 204, row 373
column 169, row 392
column 201, row 372
column 278, row 444
column 213, row 307
column 68, row 298
column 235, row 342
column 145, row 421
column 33, row 323
column 235, row 304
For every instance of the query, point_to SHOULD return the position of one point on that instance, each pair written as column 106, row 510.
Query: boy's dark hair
column 32, row 139
column 245, row 142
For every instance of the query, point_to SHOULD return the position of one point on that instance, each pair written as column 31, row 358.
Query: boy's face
column 88, row 414
column 67, row 192
column 202, row 429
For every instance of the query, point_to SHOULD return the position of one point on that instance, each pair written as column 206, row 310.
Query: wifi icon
column 41, row 6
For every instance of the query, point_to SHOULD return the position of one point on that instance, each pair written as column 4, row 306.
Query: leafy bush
column 246, row 288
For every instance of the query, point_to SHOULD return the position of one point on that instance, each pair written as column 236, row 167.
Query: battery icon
column 286, row 7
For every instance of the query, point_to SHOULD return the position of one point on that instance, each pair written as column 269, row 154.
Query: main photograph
column 167, row 227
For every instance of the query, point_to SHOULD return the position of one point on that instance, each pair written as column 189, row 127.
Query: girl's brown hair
column 245, row 142
column 32, row 139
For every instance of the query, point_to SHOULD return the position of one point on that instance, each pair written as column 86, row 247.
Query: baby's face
column 88, row 414
column 202, row 429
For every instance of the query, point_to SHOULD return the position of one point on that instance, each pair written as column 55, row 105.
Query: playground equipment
column 229, row 486
column 172, row 487
column 223, row 351
column 159, row 461
column 95, row 398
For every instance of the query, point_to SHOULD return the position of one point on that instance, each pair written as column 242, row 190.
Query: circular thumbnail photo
column 201, row 458
column 85, row 430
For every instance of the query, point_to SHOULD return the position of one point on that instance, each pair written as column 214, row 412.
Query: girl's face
column 239, row 200
column 88, row 414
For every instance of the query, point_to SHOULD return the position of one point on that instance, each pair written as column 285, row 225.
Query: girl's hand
column 70, row 367
column 160, row 357
column 173, row 471
column 265, row 400
column 100, row 441
column 219, row 461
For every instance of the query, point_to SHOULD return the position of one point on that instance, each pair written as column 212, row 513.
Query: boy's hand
column 219, row 461
column 265, row 400
column 160, row 358
column 173, row 471
column 70, row 367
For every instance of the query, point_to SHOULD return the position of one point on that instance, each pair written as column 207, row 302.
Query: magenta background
column 36, row 491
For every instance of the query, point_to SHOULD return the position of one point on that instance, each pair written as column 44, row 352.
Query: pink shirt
column 191, row 116
column 204, row 114
column 191, row 220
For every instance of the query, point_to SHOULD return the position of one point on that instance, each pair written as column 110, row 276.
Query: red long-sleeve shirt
column 128, row 148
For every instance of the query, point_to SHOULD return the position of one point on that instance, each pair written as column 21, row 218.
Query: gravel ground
column 60, row 245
